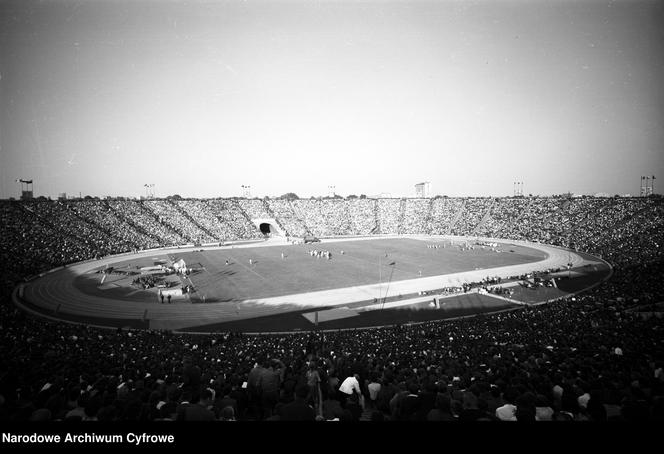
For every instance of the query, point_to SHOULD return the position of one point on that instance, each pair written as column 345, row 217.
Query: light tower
column 518, row 189
column 149, row 193
column 423, row 190
column 26, row 189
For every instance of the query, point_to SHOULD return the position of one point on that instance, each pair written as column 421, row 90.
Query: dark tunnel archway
column 267, row 229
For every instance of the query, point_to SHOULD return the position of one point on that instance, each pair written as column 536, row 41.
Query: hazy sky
column 199, row 98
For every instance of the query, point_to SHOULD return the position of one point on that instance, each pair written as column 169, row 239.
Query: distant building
column 62, row 196
column 423, row 190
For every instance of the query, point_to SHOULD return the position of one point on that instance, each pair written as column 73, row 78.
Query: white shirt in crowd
column 583, row 400
column 506, row 413
column 374, row 389
column 350, row 384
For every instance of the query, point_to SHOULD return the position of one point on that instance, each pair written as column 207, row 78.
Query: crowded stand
column 540, row 223
column 581, row 358
column 472, row 213
column 178, row 221
column 362, row 216
column 88, row 229
column 89, row 235
column 31, row 245
column 232, row 219
column 309, row 211
column 503, row 214
column 336, row 212
column 415, row 216
column 443, row 212
column 283, row 210
column 103, row 216
column 254, row 208
column 136, row 214
column 198, row 210
column 389, row 212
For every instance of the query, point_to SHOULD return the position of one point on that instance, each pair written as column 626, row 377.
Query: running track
column 55, row 289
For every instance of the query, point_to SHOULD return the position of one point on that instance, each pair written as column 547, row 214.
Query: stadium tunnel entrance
column 268, row 226
column 268, row 229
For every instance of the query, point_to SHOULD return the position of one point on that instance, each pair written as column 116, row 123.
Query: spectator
column 299, row 409
column 350, row 386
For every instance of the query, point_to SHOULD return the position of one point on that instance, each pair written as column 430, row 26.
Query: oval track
column 56, row 290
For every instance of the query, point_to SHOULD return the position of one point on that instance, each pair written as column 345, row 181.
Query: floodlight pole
column 388, row 288
column 380, row 276
column 647, row 185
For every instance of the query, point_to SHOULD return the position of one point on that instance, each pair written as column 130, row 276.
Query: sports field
column 278, row 286
column 362, row 263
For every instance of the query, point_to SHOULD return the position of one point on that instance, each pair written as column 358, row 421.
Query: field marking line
column 247, row 268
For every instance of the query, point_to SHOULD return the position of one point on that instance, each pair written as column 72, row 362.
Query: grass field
column 236, row 286
column 363, row 262
column 298, row 272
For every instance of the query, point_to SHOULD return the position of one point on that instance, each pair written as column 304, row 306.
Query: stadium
column 438, row 273
column 248, row 285
column 329, row 211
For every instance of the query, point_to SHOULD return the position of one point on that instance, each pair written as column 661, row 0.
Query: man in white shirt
column 508, row 411
column 349, row 385
column 374, row 389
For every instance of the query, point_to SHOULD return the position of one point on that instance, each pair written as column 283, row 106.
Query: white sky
column 199, row 98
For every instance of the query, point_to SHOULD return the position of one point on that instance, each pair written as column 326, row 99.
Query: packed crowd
column 39, row 235
column 144, row 220
column 168, row 213
column 412, row 222
column 389, row 215
column 444, row 212
column 231, row 218
column 585, row 358
column 362, row 215
column 292, row 223
column 472, row 214
column 502, row 214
